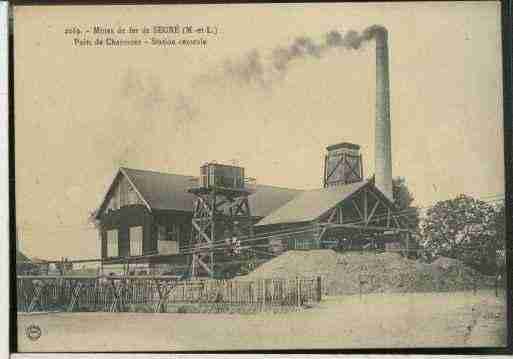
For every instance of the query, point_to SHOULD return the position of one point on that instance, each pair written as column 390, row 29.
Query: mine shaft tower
column 221, row 211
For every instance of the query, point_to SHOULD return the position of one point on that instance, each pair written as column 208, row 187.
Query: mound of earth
column 393, row 273
column 292, row 264
column 352, row 272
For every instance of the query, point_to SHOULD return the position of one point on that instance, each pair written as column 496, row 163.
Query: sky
column 80, row 113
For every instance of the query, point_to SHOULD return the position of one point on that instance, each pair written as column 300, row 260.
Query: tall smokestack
column 383, row 151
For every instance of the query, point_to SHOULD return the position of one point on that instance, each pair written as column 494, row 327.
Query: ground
column 454, row 319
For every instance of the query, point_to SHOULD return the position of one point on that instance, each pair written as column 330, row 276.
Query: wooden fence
column 115, row 294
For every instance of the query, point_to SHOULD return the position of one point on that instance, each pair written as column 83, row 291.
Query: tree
column 463, row 228
column 93, row 220
column 499, row 223
column 403, row 200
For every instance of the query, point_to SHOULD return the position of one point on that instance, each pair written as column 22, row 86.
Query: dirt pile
column 392, row 273
column 352, row 272
column 291, row 264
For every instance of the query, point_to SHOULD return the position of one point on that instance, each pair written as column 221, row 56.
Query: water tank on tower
column 222, row 176
column 342, row 164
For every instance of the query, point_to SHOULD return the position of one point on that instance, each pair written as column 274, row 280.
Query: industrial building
column 166, row 222
column 148, row 214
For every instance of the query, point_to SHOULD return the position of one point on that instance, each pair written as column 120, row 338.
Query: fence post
column 298, row 288
column 360, row 284
column 496, row 284
column 264, row 290
column 319, row 288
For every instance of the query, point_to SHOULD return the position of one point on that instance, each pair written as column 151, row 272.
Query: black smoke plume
column 257, row 69
column 261, row 70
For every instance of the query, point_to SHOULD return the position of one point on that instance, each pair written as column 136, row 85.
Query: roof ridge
column 177, row 174
column 282, row 213
column 153, row 171
column 164, row 190
column 282, row 187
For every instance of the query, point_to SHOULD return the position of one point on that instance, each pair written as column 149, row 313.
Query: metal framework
column 350, row 166
column 373, row 214
column 218, row 213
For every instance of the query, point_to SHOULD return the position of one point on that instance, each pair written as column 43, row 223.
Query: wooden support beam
column 372, row 212
column 334, row 169
column 332, row 215
column 352, row 167
column 330, row 220
column 248, row 212
column 193, row 264
column 325, row 169
column 205, row 266
column 363, row 227
column 396, row 222
column 205, row 206
column 375, row 196
column 116, row 293
column 74, row 297
column 407, row 244
column 212, row 233
column 238, row 209
column 219, row 209
column 201, row 231
column 222, row 203
column 361, row 165
column 163, row 296
column 355, row 205
column 365, row 207
column 37, row 297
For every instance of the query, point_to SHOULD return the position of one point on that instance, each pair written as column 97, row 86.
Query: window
column 169, row 233
column 175, row 234
column 168, row 237
column 204, row 176
column 162, row 233
column 136, row 241
column 112, row 243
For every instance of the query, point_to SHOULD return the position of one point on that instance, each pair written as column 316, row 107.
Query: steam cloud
column 256, row 69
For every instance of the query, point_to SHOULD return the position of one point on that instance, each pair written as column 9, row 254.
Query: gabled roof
column 310, row 205
column 162, row 190
column 168, row 191
column 269, row 198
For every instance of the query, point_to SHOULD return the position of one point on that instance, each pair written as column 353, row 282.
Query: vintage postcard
column 259, row 176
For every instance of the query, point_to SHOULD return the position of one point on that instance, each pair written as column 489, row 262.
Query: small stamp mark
column 33, row 332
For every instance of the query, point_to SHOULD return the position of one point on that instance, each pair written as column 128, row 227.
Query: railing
column 127, row 293
column 225, row 182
